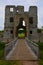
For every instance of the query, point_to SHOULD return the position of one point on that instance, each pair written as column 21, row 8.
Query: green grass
column 41, row 53
column 2, row 62
column 2, row 45
column 41, row 50
column 40, row 45
column 1, row 54
column 41, row 62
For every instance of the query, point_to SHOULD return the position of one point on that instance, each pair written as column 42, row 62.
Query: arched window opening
column 24, row 23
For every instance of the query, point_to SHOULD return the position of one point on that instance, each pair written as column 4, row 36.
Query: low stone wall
column 1, row 35
column 37, row 38
column 41, row 37
column 9, row 47
column 1, row 38
column 34, row 47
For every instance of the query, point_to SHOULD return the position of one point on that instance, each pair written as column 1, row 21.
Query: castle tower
column 13, row 16
column 33, row 22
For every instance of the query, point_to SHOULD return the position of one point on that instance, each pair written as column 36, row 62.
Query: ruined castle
column 14, row 15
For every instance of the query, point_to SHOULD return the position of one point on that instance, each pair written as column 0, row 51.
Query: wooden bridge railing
column 34, row 47
column 9, row 46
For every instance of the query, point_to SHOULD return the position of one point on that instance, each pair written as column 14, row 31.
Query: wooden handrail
column 34, row 47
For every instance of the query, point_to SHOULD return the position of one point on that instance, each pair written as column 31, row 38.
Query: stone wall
column 33, row 27
column 18, row 12
column 36, row 38
column 40, row 37
column 1, row 36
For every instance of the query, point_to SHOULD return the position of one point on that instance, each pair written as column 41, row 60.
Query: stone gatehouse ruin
column 14, row 18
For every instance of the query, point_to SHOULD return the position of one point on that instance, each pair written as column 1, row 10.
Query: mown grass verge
column 2, row 45
column 40, row 52
column 2, row 62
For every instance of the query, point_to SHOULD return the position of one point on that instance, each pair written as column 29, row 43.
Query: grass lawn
column 2, row 62
column 2, row 45
column 41, row 53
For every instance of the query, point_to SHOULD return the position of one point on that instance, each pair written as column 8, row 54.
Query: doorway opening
column 21, row 29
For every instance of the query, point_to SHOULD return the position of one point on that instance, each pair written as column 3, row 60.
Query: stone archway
column 21, row 26
column 20, row 20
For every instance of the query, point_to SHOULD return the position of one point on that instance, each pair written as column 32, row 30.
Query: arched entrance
column 21, row 29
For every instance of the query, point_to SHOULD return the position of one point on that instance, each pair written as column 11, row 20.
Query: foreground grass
column 41, row 50
column 41, row 53
column 2, row 62
column 2, row 45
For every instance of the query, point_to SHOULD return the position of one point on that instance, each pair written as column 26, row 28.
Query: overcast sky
column 26, row 4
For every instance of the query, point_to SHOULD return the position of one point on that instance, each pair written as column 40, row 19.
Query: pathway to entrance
column 21, row 51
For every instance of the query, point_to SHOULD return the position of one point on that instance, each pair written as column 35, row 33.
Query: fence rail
column 9, row 46
column 34, row 47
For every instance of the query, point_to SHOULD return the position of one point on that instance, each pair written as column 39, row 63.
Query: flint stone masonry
column 18, row 12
